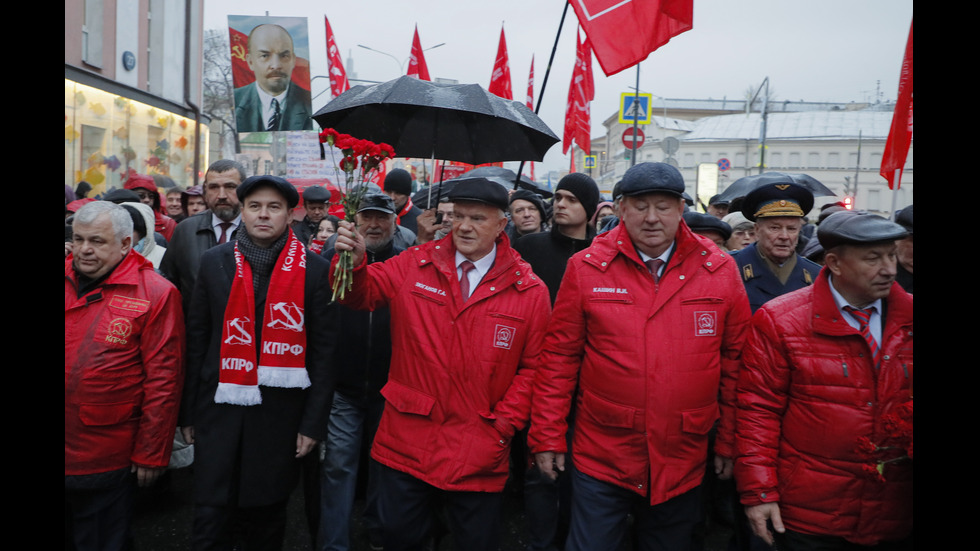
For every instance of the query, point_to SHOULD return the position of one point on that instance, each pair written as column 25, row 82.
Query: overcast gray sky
column 832, row 50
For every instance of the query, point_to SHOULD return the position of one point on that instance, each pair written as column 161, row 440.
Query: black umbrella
column 456, row 122
column 742, row 186
column 506, row 177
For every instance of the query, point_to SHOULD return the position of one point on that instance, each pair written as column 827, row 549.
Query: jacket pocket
column 406, row 399
column 699, row 421
column 608, row 414
column 102, row 415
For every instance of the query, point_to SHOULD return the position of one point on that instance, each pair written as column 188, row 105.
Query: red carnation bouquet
column 361, row 158
column 898, row 436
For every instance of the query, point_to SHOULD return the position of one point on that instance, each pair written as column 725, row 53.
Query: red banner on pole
column 530, row 99
column 581, row 91
column 338, row 76
column 416, row 65
column 625, row 32
column 500, row 78
column 900, row 135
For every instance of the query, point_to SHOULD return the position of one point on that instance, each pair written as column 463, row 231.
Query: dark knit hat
column 287, row 190
column 584, row 188
column 532, row 198
column 399, row 181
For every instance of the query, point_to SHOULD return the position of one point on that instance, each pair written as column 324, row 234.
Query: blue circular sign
column 724, row 164
column 128, row 60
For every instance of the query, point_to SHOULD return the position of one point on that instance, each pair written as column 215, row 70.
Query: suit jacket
column 295, row 114
column 245, row 455
column 180, row 263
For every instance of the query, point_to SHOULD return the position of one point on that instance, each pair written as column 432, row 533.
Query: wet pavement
column 163, row 520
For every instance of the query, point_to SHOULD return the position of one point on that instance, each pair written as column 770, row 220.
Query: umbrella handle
column 517, row 180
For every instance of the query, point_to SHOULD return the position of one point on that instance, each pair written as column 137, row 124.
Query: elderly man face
column 526, row 216
column 777, row 237
column 97, row 248
column 863, row 274
column 377, row 228
column 651, row 220
column 271, row 58
column 476, row 227
column 315, row 211
column 905, row 252
column 220, row 195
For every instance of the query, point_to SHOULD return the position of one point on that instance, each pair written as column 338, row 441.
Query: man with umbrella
column 455, row 396
column 770, row 267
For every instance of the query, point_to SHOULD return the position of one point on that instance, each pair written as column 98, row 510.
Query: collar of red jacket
column 125, row 273
column 617, row 241
column 827, row 318
column 507, row 265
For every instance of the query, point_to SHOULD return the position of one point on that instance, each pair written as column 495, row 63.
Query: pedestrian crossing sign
column 635, row 106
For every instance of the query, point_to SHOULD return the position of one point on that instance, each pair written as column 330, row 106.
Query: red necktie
column 654, row 266
column 864, row 319
column 464, row 281
column 224, row 232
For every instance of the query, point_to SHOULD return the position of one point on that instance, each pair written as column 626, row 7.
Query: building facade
column 133, row 91
column 840, row 145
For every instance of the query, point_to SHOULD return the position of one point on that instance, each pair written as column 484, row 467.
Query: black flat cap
column 316, row 194
column 652, row 178
column 377, row 201
column 777, row 199
column 699, row 222
column 119, row 195
column 857, row 228
column 717, row 200
column 287, row 190
column 904, row 219
column 480, row 190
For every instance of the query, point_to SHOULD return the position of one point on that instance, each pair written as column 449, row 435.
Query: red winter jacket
column 124, row 369
column 460, row 381
column 651, row 361
column 807, row 393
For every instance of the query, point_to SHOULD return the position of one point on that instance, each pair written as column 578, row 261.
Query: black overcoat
column 245, row 455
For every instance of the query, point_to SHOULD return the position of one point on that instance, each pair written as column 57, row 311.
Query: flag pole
column 544, row 83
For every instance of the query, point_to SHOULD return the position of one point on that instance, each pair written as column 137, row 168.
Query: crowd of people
column 642, row 372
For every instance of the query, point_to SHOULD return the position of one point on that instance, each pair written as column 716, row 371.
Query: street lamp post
column 401, row 64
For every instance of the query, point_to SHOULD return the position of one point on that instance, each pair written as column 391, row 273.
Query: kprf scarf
column 282, row 357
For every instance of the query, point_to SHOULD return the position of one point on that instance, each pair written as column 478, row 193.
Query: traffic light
column 848, row 202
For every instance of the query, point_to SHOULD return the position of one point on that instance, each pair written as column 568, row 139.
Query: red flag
column 338, row 77
column 530, row 98
column 581, row 91
column 416, row 66
column 500, row 78
column 530, row 87
column 900, row 135
column 625, row 33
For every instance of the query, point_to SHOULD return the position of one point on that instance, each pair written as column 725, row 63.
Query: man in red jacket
column 827, row 380
column 649, row 322
column 124, row 362
column 467, row 321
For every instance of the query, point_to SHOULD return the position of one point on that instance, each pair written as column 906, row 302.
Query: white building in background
column 840, row 145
